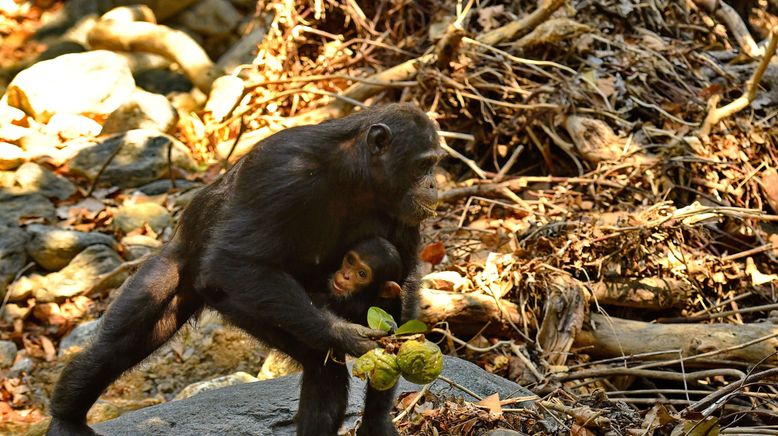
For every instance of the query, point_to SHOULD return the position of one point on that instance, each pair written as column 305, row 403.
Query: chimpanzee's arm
column 259, row 298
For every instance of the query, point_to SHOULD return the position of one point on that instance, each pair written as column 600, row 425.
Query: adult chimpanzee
column 258, row 240
column 367, row 277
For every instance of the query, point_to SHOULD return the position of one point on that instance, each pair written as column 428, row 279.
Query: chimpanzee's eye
column 362, row 273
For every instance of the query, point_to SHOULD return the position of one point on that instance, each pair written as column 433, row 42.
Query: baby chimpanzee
column 367, row 277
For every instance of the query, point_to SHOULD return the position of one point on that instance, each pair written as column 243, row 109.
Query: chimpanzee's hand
column 355, row 339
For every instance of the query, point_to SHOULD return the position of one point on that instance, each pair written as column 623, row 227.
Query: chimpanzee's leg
column 376, row 419
column 146, row 314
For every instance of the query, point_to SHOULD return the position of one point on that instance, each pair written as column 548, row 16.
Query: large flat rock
column 268, row 407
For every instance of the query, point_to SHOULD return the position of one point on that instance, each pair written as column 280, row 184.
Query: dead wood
column 729, row 16
column 470, row 313
column 362, row 90
column 134, row 29
column 614, row 337
column 716, row 114
column 523, row 26
column 563, row 316
column 652, row 293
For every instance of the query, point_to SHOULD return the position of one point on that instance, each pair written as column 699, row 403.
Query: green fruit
column 420, row 362
column 379, row 367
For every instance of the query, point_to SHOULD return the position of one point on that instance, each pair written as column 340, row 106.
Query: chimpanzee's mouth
column 336, row 287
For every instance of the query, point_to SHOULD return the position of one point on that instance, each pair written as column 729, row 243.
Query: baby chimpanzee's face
column 353, row 276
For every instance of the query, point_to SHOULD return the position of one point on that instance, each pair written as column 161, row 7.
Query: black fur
column 259, row 241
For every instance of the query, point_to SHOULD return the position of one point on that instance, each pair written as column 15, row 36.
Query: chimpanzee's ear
column 378, row 138
column 390, row 290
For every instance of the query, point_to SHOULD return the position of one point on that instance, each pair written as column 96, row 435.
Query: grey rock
column 97, row 82
column 244, row 51
column 140, row 159
column 502, row 432
column 14, row 206
column 24, row 365
column 137, row 246
column 53, row 248
column 237, row 378
column 143, row 110
column 163, row 186
column 163, row 81
column 132, row 216
column 7, row 353
column 184, row 199
column 59, row 48
column 268, row 407
column 11, row 156
column 12, row 254
column 79, row 337
column 78, row 276
column 210, row 17
column 34, row 179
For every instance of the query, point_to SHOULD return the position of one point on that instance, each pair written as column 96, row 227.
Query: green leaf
column 411, row 327
column 378, row 319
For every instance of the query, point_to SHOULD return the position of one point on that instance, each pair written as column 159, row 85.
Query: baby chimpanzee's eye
column 362, row 273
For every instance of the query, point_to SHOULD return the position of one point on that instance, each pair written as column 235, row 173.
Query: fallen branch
column 729, row 16
column 717, row 114
column 468, row 313
column 523, row 26
column 614, row 337
column 518, row 184
column 650, row 293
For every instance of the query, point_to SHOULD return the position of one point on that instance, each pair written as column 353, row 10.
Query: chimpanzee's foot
column 60, row 427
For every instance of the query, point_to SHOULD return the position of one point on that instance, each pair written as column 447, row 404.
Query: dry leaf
column 492, row 402
column 433, row 253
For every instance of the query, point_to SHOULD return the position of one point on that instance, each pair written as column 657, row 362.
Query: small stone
column 11, row 156
column 12, row 312
column 185, row 198
column 142, row 158
column 77, row 277
column 23, row 287
column 14, row 207
column 225, row 95
column 22, row 366
column 94, row 82
column 143, row 110
column 79, row 337
column 132, row 216
column 164, row 186
column 53, row 248
column 70, row 126
column 210, row 17
column 12, row 133
column 277, row 364
column 237, row 378
column 7, row 353
column 33, row 178
column 137, row 246
column 41, row 147
column 12, row 254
